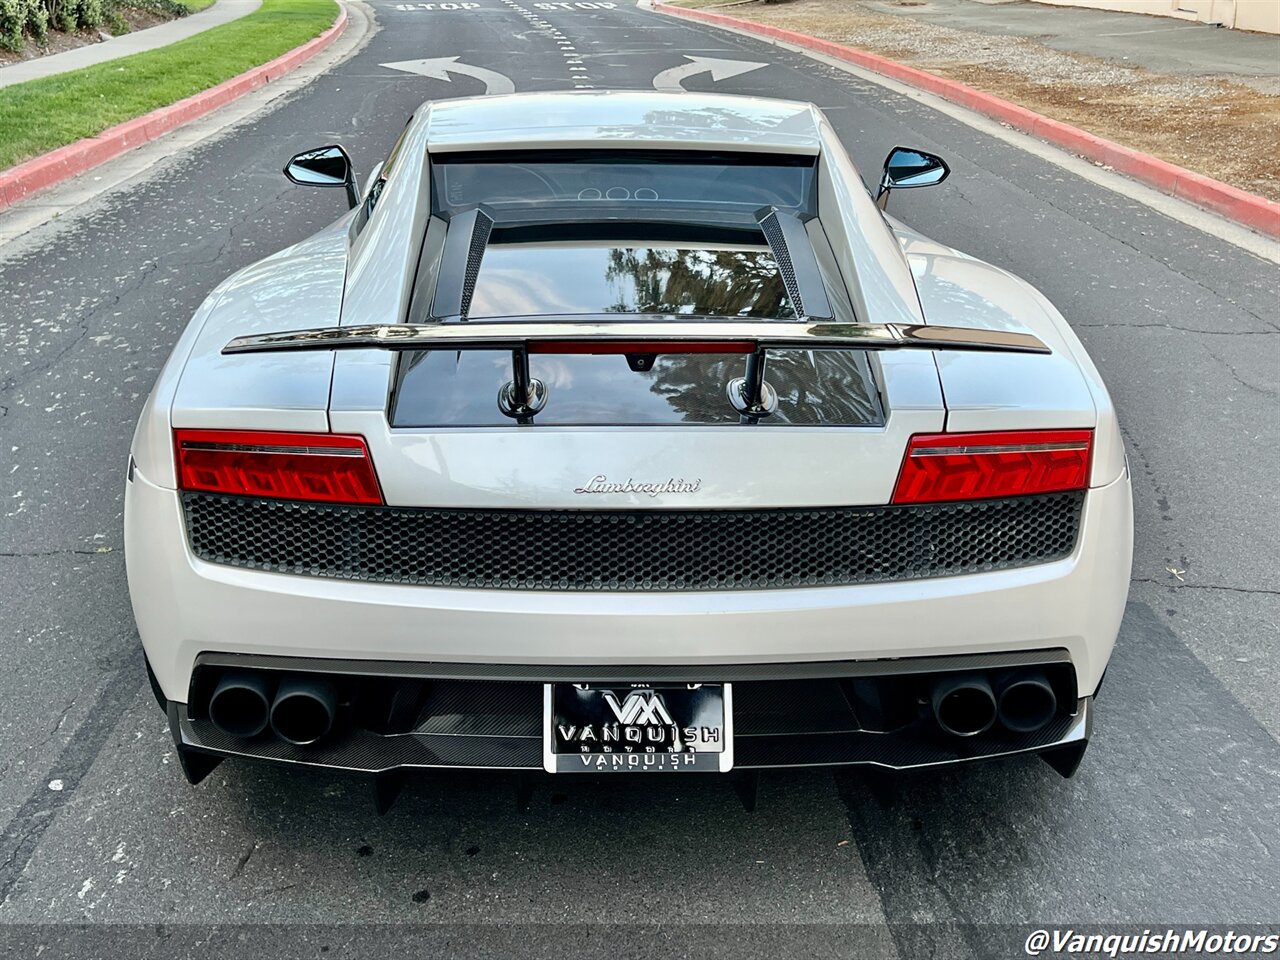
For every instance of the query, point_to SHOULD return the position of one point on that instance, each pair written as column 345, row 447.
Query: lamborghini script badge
column 602, row 484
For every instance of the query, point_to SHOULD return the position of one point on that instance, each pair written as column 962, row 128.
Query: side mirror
column 325, row 167
column 905, row 168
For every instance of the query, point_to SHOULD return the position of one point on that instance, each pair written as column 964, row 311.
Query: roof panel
column 621, row 119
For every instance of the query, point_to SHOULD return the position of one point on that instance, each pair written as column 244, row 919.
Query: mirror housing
column 329, row 166
column 374, row 174
column 905, row 168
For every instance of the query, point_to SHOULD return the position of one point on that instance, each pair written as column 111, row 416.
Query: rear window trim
column 710, row 158
column 717, row 158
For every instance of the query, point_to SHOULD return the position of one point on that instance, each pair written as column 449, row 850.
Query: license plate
column 637, row 728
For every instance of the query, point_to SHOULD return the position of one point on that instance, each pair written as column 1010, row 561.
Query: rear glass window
column 625, row 183
column 527, row 280
column 458, row 388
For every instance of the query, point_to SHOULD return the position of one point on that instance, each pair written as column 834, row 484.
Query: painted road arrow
column 719, row 69
column 440, row 68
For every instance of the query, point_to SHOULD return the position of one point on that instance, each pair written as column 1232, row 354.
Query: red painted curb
column 1249, row 209
column 47, row 170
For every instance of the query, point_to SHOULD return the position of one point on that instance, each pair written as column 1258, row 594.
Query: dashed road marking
column 578, row 72
column 469, row 5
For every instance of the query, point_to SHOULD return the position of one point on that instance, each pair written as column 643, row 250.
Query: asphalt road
column 1174, row 816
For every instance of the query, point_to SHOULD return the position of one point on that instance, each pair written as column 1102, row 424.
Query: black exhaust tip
column 303, row 709
column 241, row 702
column 963, row 704
column 1027, row 702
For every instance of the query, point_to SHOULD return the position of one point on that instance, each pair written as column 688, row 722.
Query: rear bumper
column 399, row 716
column 186, row 607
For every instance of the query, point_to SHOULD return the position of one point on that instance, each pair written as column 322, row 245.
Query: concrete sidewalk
column 224, row 11
column 1159, row 44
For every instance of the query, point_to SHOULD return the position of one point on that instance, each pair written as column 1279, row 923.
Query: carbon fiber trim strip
column 365, row 752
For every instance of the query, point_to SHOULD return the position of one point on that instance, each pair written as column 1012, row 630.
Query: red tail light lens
column 318, row 467
column 975, row 466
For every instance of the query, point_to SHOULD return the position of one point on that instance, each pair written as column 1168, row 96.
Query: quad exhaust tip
column 967, row 704
column 1026, row 702
column 241, row 702
column 299, row 708
column 964, row 704
column 303, row 709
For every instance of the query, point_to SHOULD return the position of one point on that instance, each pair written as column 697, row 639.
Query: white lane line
column 1134, row 33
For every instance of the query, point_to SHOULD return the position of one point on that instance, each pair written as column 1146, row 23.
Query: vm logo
column 639, row 708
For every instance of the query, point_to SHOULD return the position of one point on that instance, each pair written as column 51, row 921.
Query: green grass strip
column 41, row 115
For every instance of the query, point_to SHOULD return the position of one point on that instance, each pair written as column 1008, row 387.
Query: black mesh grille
column 657, row 550
column 475, row 253
column 782, row 256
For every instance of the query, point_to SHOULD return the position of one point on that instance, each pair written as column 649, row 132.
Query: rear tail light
column 318, row 467
column 975, row 466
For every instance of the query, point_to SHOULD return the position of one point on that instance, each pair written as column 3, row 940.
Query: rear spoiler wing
column 662, row 335
column 524, row 396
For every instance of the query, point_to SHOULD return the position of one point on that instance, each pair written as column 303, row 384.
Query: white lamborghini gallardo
column 623, row 432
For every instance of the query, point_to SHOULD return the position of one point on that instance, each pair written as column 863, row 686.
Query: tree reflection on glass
column 814, row 387
column 719, row 283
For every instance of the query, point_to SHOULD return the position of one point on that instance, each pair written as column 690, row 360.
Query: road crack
column 244, row 860
column 1239, row 379
column 1089, row 224
column 1174, row 585
column 28, row 554
column 24, row 832
column 1174, row 326
column 23, row 376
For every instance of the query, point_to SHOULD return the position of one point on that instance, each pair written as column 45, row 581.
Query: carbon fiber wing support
column 464, row 247
column 793, row 252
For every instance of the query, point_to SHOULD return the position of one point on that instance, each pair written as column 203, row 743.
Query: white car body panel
column 1063, row 389
column 267, row 393
column 871, row 263
column 1075, row 603
column 513, row 468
